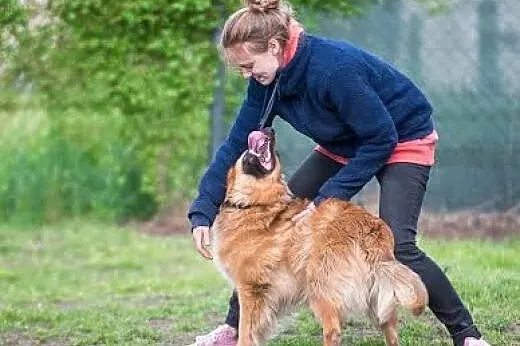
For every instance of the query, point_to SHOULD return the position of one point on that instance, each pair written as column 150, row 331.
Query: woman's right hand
column 202, row 240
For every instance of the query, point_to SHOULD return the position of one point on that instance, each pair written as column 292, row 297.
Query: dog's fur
column 339, row 260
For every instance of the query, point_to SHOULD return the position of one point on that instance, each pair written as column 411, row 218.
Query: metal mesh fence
column 465, row 59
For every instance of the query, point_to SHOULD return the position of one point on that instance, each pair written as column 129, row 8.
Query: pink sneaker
column 223, row 335
column 475, row 342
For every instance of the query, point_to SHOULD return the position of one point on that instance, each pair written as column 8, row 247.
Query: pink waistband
column 420, row 151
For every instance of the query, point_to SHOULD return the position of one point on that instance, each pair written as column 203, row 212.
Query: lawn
column 87, row 284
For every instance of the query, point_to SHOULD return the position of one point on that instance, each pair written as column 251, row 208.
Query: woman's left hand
column 306, row 212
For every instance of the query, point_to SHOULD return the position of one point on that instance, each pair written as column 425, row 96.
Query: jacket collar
column 292, row 75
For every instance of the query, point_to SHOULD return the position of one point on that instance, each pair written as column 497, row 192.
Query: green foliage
column 149, row 64
column 12, row 16
column 13, row 21
column 55, row 170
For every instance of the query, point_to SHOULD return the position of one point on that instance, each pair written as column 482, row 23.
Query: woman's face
column 260, row 66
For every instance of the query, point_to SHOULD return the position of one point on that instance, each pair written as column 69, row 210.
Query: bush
column 52, row 171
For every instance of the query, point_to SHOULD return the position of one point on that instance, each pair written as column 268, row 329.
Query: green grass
column 87, row 284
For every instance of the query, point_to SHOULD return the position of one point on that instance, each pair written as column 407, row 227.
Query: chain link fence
column 465, row 59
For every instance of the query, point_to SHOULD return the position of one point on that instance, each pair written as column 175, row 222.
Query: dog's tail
column 396, row 283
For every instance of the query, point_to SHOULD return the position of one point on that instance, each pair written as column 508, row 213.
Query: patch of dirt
column 135, row 301
column 181, row 340
column 155, row 300
column 471, row 224
column 160, row 324
column 212, row 320
column 19, row 339
column 462, row 224
column 514, row 328
column 170, row 221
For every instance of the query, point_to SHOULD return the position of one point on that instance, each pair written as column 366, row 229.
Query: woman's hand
column 202, row 239
column 306, row 212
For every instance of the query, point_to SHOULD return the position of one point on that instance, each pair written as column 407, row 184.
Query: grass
column 87, row 284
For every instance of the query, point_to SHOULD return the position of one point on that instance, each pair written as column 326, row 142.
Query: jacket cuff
column 199, row 220
column 319, row 199
column 322, row 198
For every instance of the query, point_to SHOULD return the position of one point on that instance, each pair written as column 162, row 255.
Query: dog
column 339, row 260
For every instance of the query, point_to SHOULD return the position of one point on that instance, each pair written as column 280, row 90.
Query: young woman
column 368, row 120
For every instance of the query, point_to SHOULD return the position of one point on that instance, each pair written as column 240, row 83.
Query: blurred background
column 464, row 56
column 113, row 111
column 110, row 111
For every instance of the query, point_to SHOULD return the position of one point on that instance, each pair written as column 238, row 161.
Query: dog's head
column 260, row 158
column 256, row 177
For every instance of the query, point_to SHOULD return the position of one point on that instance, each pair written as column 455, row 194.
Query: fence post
column 217, row 111
column 218, row 106
column 415, row 47
column 490, row 85
column 489, row 71
column 394, row 25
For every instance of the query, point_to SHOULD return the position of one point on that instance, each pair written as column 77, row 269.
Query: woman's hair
column 256, row 23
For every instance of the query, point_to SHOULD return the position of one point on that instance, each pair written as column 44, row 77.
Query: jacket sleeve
column 212, row 186
column 359, row 106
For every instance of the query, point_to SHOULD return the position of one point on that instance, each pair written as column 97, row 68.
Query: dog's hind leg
column 390, row 329
column 329, row 317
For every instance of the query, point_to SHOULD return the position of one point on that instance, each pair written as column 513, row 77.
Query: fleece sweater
column 350, row 102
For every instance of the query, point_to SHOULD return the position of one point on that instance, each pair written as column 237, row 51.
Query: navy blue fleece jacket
column 345, row 99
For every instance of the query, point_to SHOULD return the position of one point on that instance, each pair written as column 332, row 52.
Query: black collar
column 228, row 204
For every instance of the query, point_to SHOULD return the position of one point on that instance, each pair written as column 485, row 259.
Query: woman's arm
column 212, row 186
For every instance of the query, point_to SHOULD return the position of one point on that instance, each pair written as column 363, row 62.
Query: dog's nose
column 249, row 158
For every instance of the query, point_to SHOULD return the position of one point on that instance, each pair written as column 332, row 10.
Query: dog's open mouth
column 259, row 145
column 259, row 158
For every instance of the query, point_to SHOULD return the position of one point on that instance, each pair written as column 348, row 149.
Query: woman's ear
column 273, row 46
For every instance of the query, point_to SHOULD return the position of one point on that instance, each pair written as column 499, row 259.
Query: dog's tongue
column 253, row 139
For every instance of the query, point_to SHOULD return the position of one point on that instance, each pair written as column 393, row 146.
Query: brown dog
column 339, row 260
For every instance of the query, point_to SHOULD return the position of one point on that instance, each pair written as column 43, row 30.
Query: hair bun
column 263, row 5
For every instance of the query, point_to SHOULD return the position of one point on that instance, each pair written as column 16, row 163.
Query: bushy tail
column 396, row 283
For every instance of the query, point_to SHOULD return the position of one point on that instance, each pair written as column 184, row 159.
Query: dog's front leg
column 245, row 337
column 256, row 320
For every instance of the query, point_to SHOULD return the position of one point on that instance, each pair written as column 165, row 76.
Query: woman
column 367, row 119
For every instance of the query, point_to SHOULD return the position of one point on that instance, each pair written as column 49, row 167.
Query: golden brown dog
column 339, row 260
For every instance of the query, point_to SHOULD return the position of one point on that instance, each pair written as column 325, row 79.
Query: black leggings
column 401, row 195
